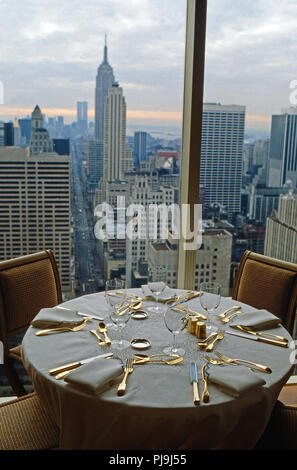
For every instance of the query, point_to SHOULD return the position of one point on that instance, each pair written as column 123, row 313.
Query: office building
column 222, row 155
column 82, row 116
column 2, row 134
column 40, row 141
column 104, row 80
column 35, row 206
column 139, row 151
column 61, row 146
column 263, row 201
column 10, row 134
column 282, row 161
column 281, row 230
column 117, row 158
column 213, row 259
column 25, row 125
column 150, row 227
column 95, row 161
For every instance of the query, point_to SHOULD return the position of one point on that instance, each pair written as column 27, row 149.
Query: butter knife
column 194, row 380
column 257, row 338
column 74, row 365
column 186, row 299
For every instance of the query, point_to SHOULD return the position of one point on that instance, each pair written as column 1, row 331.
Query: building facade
column 282, row 161
column 222, row 155
column 104, row 80
column 281, row 230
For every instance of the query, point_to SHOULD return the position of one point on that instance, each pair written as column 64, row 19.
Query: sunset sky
column 50, row 52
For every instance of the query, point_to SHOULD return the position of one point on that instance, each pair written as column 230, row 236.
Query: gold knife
column 74, row 365
column 257, row 338
column 205, row 395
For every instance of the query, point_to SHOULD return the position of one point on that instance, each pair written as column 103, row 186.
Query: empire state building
column 104, row 81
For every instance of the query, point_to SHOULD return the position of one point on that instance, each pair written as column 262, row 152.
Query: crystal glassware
column 120, row 317
column 210, row 300
column 115, row 294
column 157, row 287
column 175, row 322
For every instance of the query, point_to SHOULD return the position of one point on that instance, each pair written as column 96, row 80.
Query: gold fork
column 211, row 345
column 229, row 360
column 227, row 319
column 223, row 314
column 123, row 385
column 62, row 329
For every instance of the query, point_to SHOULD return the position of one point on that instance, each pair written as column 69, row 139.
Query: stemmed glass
column 120, row 316
column 175, row 322
column 210, row 300
column 157, row 287
column 113, row 299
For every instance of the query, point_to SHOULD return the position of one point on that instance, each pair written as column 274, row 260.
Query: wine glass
column 157, row 287
column 115, row 294
column 210, row 300
column 175, row 322
column 120, row 316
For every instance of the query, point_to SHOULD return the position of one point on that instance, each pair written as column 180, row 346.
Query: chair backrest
column 27, row 284
column 268, row 283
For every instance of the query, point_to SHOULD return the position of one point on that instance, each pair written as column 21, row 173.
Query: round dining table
column 157, row 411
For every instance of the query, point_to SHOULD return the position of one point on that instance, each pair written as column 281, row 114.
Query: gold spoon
column 103, row 329
column 212, row 344
column 203, row 343
column 100, row 341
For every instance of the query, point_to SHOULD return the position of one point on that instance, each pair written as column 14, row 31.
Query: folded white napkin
column 233, row 379
column 166, row 292
column 95, row 376
column 53, row 317
column 260, row 319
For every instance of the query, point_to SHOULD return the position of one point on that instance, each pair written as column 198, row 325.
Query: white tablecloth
column 157, row 411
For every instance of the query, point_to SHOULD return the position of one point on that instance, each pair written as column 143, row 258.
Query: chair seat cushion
column 25, row 425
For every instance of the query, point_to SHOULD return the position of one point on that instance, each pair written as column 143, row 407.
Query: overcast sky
column 50, row 51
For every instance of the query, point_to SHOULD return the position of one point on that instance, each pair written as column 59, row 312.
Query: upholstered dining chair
column 268, row 283
column 27, row 284
column 25, row 425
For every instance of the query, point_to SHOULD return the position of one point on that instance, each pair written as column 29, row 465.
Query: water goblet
column 115, row 293
column 175, row 322
column 157, row 287
column 210, row 300
column 120, row 317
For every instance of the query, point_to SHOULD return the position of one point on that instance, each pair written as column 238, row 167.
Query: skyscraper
column 104, row 80
column 40, row 141
column 117, row 158
column 95, row 161
column 82, row 115
column 140, row 141
column 282, row 161
column 35, row 206
column 222, row 155
column 281, row 230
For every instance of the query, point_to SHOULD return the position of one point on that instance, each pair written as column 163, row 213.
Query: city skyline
column 146, row 48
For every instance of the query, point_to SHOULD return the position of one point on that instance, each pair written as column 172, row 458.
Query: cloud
column 51, row 50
